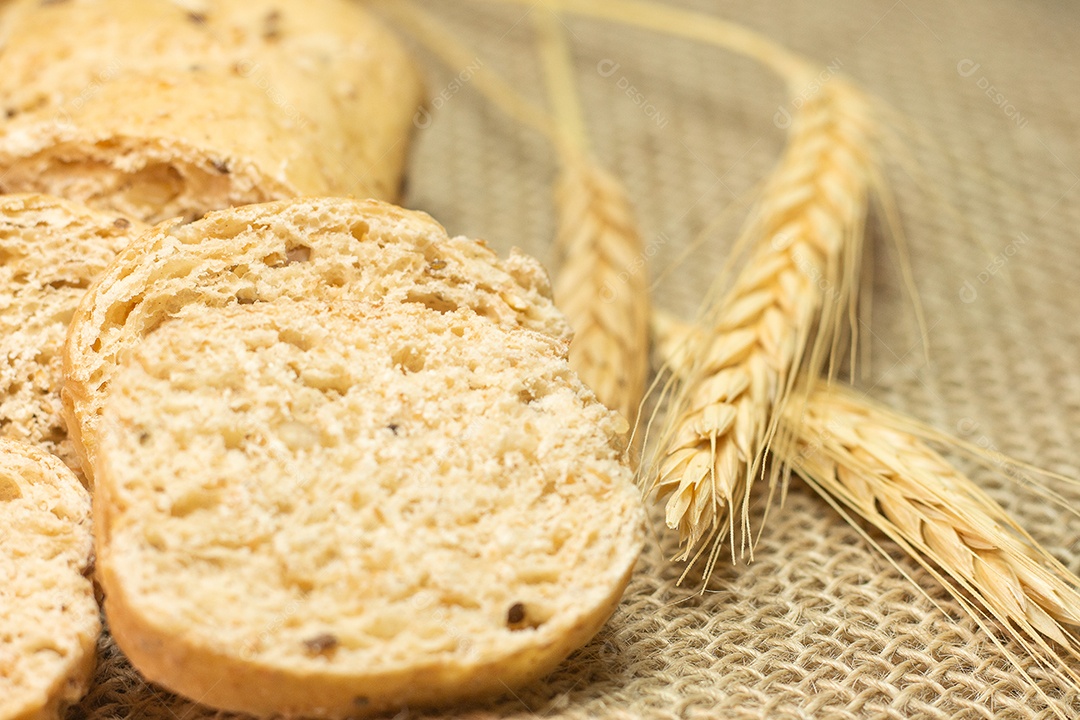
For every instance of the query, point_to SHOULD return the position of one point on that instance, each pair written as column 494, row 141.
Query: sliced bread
column 49, row 620
column 317, row 248
column 162, row 108
column 312, row 510
column 51, row 250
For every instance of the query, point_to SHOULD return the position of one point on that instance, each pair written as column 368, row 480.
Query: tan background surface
column 819, row 625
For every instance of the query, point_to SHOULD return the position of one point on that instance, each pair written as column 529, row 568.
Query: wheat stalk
column 868, row 461
column 780, row 321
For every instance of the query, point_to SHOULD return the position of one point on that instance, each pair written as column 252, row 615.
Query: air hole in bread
column 298, row 435
column 409, row 359
column 360, row 230
column 117, row 315
column 295, row 338
column 533, row 391
column 9, row 489
column 55, row 435
column 275, row 260
column 192, row 502
column 432, row 301
column 298, row 254
column 66, row 316
column 80, row 284
column 154, row 186
column 247, row 295
column 233, row 438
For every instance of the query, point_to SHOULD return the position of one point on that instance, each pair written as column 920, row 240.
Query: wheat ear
column 882, row 467
column 602, row 285
column 864, row 459
column 780, row 320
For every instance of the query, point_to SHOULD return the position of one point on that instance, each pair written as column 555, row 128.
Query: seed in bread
column 51, row 250
column 156, row 110
column 332, row 510
column 49, row 620
column 315, row 248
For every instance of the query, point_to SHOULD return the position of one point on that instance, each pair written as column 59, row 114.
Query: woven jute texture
column 819, row 625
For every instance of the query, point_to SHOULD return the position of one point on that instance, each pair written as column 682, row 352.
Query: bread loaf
column 315, row 510
column 49, row 620
column 159, row 109
column 51, row 250
column 326, row 249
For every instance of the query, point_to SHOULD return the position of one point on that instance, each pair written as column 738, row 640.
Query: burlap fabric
column 819, row 624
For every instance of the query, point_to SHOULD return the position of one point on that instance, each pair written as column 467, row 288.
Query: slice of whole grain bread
column 49, row 620
column 330, row 509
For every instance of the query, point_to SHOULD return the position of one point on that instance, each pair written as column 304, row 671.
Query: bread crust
column 47, row 605
column 199, row 647
column 247, row 101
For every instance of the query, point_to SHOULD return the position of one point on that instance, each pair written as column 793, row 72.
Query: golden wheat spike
column 781, row 319
column 858, row 456
column 602, row 286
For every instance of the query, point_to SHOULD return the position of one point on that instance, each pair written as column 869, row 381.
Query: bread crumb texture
column 49, row 620
column 51, row 250
column 328, row 509
column 333, row 250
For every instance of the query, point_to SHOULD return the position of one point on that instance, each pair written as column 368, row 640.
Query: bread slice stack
column 341, row 463
column 49, row 622
column 158, row 109
column 338, row 460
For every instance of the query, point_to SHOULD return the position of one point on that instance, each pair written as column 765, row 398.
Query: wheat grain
column 865, row 459
column 602, row 286
column 781, row 319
